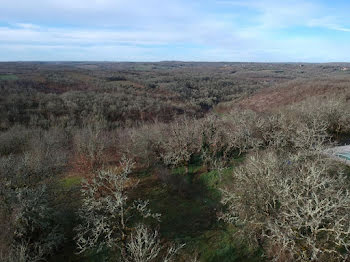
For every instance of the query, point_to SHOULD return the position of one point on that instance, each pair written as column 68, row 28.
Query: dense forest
column 173, row 161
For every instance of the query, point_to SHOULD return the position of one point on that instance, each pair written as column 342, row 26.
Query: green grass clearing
column 8, row 77
column 70, row 182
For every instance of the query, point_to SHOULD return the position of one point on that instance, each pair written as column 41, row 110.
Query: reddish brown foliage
column 292, row 92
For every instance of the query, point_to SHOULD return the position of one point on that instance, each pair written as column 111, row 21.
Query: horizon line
column 171, row 61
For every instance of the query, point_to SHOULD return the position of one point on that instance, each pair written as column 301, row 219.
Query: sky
column 186, row 30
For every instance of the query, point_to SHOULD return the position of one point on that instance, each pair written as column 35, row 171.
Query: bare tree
column 243, row 131
column 90, row 143
column 215, row 150
column 144, row 246
column 334, row 111
column 31, row 232
column 296, row 208
column 181, row 142
column 106, row 211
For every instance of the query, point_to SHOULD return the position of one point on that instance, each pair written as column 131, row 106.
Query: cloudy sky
column 189, row 30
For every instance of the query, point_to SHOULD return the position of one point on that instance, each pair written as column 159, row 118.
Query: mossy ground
column 189, row 217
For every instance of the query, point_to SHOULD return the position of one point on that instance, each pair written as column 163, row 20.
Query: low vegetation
column 170, row 162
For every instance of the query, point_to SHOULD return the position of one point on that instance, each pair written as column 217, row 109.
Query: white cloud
column 97, row 13
column 248, row 30
column 27, row 26
column 283, row 14
column 329, row 22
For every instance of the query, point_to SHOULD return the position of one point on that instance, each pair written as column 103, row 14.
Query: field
column 230, row 155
